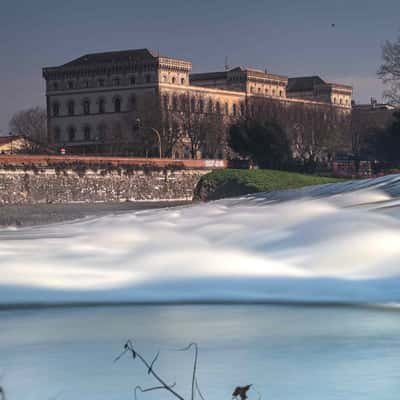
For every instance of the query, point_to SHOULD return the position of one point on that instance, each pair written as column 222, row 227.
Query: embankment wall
column 54, row 179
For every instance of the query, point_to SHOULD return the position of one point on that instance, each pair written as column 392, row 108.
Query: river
column 295, row 292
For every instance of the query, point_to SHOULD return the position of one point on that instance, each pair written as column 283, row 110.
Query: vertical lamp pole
column 155, row 131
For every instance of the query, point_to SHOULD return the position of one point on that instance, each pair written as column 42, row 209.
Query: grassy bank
column 235, row 182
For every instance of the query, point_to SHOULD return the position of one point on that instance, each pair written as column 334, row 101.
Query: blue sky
column 292, row 37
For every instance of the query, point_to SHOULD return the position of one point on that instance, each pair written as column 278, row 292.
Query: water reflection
column 307, row 352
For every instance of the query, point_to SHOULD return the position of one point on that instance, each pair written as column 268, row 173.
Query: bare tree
column 30, row 123
column 202, row 125
column 389, row 71
column 315, row 132
column 215, row 136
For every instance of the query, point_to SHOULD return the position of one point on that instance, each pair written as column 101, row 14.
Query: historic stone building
column 101, row 102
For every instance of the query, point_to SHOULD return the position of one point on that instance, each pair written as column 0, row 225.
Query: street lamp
column 138, row 121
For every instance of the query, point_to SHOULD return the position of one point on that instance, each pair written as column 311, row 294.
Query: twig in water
column 2, row 394
column 150, row 389
column 128, row 348
column 194, row 380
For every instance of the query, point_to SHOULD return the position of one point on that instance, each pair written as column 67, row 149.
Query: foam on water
column 337, row 242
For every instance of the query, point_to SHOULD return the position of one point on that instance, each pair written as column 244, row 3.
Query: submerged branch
column 128, row 348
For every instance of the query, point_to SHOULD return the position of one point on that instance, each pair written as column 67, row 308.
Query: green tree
column 385, row 143
column 266, row 143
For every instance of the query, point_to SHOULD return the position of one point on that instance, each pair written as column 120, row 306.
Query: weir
column 335, row 243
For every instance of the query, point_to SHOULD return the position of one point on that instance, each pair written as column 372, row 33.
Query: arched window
column 280, row 93
column 57, row 134
column 183, row 102
column 234, row 109
column 87, row 132
column 259, row 90
column 201, row 106
column 273, row 92
column 166, row 101
column 210, row 106
column 133, row 102
column 86, row 106
column 241, row 108
column 340, row 101
column 192, row 104
column 182, row 81
column 71, row 107
column 102, row 106
column 218, row 107
column 70, row 84
column 71, row 133
column 117, row 105
column 101, row 132
column 173, row 79
column 56, row 109
column 174, row 103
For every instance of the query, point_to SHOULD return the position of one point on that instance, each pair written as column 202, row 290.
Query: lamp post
column 155, row 131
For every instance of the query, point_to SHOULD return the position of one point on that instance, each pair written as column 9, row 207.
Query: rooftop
column 304, row 83
column 224, row 74
column 308, row 83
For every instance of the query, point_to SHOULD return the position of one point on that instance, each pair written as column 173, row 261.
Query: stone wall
column 68, row 186
column 50, row 181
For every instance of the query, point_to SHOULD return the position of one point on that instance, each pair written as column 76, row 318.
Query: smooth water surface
column 286, row 352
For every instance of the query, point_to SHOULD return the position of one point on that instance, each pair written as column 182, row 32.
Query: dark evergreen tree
column 266, row 143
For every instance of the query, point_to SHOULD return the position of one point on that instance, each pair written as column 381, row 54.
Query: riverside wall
column 67, row 179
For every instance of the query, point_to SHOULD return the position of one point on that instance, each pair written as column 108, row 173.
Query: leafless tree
column 389, row 71
column 30, row 123
column 202, row 125
column 149, row 114
column 315, row 132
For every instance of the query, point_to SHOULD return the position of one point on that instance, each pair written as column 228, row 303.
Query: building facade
column 100, row 103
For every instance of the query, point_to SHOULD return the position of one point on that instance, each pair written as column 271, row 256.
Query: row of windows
column 116, row 81
column 341, row 101
column 201, row 106
column 99, row 133
column 173, row 80
column 273, row 92
column 101, row 82
column 88, row 107
column 72, row 134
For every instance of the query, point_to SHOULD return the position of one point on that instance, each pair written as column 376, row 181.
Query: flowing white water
column 336, row 243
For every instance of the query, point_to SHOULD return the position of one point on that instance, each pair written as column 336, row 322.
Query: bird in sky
column 333, row 25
